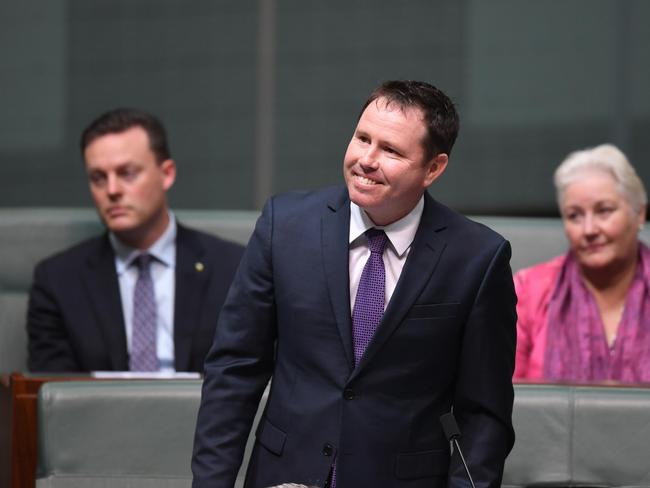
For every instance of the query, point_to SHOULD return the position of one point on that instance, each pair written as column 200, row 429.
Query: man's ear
column 437, row 166
column 168, row 169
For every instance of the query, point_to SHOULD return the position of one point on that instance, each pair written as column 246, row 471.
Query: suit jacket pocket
column 271, row 437
column 433, row 311
column 422, row 464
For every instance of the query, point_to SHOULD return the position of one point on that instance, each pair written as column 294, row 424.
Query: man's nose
column 369, row 160
column 113, row 185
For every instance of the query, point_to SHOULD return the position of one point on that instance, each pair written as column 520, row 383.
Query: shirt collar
column 400, row 233
column 163, row 250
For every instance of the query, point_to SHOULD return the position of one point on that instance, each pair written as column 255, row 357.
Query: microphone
column 452, row 432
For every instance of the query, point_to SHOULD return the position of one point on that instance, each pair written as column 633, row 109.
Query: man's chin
column 365, row 198
column 118, row 225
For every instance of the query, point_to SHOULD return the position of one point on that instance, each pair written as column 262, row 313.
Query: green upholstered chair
column 588, row 436
column 119, row 433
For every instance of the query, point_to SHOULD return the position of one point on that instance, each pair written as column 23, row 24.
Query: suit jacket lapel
column 423, row 257
column 335, row 226
column 192, row 277
column 100, row 279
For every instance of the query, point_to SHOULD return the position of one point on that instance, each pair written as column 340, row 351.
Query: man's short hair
column 122, row 119
column 440, row 114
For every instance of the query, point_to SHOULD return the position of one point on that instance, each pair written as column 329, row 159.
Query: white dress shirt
column 163, row 274
column 400, row 237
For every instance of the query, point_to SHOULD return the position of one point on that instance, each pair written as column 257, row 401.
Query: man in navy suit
column 82, row 307
column 348, row 416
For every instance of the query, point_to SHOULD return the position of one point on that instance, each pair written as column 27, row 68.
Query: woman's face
column 599, row 222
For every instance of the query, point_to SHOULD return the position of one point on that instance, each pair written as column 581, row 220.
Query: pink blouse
column 534, row 287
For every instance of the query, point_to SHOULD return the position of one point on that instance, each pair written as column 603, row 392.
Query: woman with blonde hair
column 585, row 316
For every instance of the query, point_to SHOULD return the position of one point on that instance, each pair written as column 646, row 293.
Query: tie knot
column 143, row 261
column 377, row 240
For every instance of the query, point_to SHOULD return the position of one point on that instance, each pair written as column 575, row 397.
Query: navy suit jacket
column 447, row 339
column 75, row 320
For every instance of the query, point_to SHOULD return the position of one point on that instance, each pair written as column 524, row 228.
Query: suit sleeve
column 239, row 364
column 48, row 345
column 484, row 394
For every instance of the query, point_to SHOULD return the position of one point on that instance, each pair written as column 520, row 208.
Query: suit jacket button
column 348, row 394
column 328, row 450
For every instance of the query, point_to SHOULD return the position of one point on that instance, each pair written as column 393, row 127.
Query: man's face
column 385, row 167
column 129, row 186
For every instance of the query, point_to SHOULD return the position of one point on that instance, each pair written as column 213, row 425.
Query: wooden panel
column 5, row 431
column 19, row 427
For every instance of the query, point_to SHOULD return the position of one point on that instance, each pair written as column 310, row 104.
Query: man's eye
column 129, row 173
column 97, row 178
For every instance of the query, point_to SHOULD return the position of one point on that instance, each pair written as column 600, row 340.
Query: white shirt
column 400, row 237
column 163, row 275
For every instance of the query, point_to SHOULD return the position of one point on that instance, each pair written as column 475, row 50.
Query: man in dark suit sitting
column 144, row 296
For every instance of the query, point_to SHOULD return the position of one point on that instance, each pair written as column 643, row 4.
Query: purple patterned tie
column 369, row 304
column 143, row 339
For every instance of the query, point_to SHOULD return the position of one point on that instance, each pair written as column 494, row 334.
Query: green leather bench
column 118, row 433
column 138, row 434
column 584, row 436
column 28, row 235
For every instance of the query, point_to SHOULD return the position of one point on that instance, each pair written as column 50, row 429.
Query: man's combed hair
column 440, row 114
column 122, row 119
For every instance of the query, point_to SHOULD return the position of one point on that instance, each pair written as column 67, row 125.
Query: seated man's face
column 129, row 185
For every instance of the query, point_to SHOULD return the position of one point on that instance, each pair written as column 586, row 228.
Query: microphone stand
column 452, row 432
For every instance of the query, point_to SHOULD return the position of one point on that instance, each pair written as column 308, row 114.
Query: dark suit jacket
column 447, row 340
column 75, row 320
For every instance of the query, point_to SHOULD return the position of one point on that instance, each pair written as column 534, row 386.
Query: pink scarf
column 577, row 349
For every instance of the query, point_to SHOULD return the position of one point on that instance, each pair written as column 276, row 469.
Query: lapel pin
column 199, row 266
